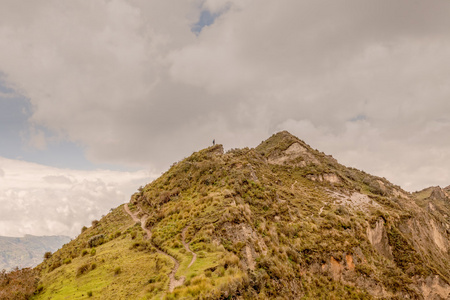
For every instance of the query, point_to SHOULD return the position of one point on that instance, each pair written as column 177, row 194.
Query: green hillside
column 281, row 221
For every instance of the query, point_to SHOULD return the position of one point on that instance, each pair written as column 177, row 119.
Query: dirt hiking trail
column 186, row 246
column 173, row 283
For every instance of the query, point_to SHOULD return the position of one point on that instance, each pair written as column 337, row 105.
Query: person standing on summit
column 214, row 142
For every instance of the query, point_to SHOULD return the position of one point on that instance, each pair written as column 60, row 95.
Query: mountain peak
column 280, row 140
column 285, row 148
column 279, row 221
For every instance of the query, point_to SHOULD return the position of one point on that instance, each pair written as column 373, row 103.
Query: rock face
column 329, row 177
column 295, row 154
column 433, row 287
column 280, row 221
column 379, row 239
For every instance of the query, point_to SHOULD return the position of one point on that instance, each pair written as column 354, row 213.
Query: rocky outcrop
column 379, row 239
column 433, row 287
column 252, row 244
column 328, row 177
column 296, row 154
column 437, row 193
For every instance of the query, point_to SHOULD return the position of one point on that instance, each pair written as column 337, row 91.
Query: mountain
column 280, row 221
column 27, row 251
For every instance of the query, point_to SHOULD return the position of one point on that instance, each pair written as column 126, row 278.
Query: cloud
column 57, row 179
column 37, row 139
column 41, row 200
column 134, row 85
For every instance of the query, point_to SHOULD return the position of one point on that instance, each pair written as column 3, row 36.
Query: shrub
column 84, row 252
column 47, row 255
column 220, row 271
column 93, row 251
column 94, row 266
column 83, row 269
column 55, row 265
column 96, row 240
column 135, row 245
column 67, row 261
column 364, row 269
column 117, row 271
column 83, row 229
column 230, row 260
column 39, row 289
column 89, row 294
column 18, row 284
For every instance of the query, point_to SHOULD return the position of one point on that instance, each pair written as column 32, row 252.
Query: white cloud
column 41, row 200
column 130, row 82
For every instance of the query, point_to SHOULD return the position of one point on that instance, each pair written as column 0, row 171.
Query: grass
column 209, row 260
column 232, row 203
column 110, row 258
column 104, row 280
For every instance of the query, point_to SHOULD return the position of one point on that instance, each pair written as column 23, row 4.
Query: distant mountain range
column 27, row 251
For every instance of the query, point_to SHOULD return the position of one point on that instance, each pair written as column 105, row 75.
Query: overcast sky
column 98, row 97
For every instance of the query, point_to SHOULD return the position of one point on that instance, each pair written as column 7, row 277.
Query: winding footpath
column 173, row 283
column 186, row 246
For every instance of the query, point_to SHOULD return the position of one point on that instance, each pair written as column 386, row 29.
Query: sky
column 99, row 97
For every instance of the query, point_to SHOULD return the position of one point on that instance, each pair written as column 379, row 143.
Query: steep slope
column 436, row 201
column 279, row 221
column 27, row 251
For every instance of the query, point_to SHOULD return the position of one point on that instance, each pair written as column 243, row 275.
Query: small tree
column 47, row 255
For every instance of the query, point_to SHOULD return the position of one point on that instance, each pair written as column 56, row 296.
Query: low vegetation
column 18, row 284
column 275, row 222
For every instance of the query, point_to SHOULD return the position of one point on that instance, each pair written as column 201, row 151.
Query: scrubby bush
column 135, row 245
column 18, row 284
column 96, row 240
column 67, row 261
column 117, row 271
column 47, row 255
column 83, row 269
column 55, row 265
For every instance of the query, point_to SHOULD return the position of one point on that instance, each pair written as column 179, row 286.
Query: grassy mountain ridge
column 281, row 220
